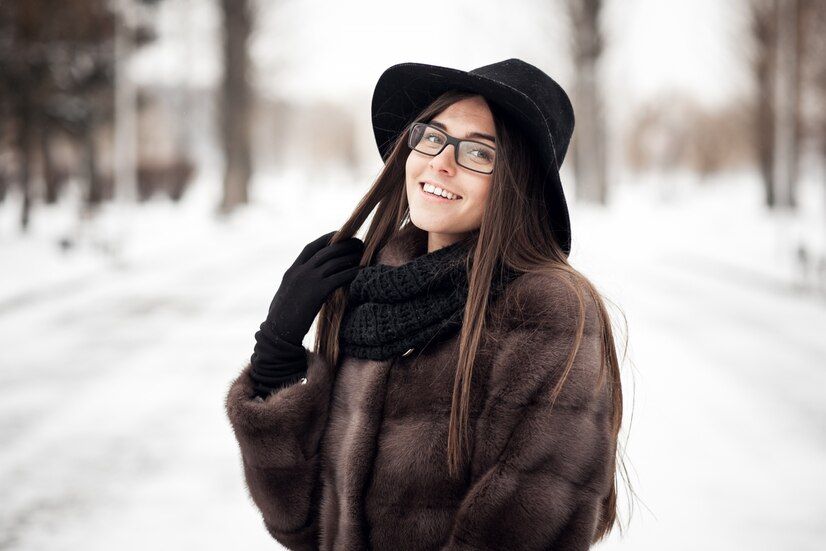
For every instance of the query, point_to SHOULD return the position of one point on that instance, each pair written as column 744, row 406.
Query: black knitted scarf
column 393, row 309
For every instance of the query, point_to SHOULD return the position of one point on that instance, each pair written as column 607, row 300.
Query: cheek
column 481, row 191
column 411, row 167
column 415, row 165
column 410, row 174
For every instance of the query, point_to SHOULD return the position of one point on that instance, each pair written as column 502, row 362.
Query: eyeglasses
column 472, row 155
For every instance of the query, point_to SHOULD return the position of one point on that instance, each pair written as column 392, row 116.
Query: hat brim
column 403, row 90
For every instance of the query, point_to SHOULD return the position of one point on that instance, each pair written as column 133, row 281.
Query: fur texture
column 355, row 458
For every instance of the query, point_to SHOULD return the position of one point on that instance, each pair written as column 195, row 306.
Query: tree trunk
column 125, row 154
column 25, row 122
column 787, row 105
column 25, row 149
column 94, row 194
column 764, row 36
column 590, row 135
column 51, row 178
column 235, row 103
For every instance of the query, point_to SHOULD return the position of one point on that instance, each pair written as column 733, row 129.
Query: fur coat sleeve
column 354, row 458
column 279, row 439
column 540, row 471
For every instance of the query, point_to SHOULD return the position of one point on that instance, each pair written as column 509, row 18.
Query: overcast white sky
column 311, row 49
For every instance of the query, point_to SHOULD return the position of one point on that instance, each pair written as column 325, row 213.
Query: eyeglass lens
column 473, row 155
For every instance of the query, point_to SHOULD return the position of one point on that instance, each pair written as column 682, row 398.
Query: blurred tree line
column 70, row 112
column 57, row 66
column 783, row 118
column 65, row 114
column 789, row 73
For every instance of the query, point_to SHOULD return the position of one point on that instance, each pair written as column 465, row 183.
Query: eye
column 482, row 154
column 437, row 136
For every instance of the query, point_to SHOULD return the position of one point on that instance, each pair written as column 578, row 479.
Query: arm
column 538, row 473
column 279, row 438
column 278, row 422
column 275, row 362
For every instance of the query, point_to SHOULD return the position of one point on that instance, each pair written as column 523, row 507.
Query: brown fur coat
column 355, row 457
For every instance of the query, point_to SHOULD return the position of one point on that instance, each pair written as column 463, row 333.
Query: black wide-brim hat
column 534, row 100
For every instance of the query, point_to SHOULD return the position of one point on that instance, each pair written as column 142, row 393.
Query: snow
column 114, row 369
column 727, row 440
column 134, row 358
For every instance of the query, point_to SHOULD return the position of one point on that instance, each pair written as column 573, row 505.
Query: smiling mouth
column 456, row 195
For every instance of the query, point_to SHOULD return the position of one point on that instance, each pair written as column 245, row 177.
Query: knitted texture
column 391, row 309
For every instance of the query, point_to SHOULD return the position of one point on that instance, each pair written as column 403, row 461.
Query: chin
column 434, row 226
column 428, row 225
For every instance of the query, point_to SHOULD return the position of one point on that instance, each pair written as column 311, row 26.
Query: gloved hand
column 321, row 268
column 318, row 271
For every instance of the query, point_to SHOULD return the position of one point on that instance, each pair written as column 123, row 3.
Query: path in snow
column 112, row 381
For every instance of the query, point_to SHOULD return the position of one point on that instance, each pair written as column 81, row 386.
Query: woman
column 464, row 391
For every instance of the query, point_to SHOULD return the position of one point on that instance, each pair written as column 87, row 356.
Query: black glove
column 276, row 363
column 279, row 357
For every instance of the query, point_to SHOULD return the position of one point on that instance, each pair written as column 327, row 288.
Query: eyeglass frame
column 449, row 140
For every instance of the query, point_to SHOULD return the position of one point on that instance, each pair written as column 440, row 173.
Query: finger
column 337, row 264
column 344, row 277
column 313, row 247
column 350, row 246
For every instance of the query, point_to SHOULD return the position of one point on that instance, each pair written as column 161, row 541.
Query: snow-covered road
column 112, row 378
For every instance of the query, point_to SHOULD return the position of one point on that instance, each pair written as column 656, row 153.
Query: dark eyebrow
column 468, row 135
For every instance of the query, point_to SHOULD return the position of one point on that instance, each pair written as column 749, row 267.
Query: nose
column 445, row 160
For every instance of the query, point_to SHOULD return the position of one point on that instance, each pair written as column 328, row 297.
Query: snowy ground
column 113, row 374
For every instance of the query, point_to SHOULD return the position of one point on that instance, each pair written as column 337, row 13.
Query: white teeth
column 439, row 191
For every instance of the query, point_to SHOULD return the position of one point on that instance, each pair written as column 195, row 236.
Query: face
column 447, row 221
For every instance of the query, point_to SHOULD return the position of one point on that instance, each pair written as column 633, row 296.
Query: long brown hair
column 516, row 194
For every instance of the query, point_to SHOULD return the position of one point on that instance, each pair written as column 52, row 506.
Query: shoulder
column 549, row 299
column 536, row 335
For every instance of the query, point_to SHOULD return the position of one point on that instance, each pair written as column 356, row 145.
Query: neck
column 436, row 241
